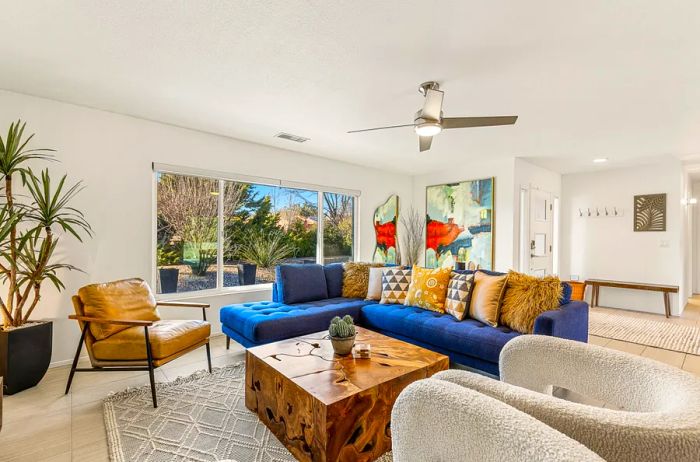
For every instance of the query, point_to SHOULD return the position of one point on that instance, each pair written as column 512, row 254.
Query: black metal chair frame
column 149, row 354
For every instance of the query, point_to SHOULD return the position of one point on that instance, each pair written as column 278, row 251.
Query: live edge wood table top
column 325, row 407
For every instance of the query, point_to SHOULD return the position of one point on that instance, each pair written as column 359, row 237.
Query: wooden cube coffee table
column 325, row 407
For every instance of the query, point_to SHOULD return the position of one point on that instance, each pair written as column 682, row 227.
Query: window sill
column 214, row 292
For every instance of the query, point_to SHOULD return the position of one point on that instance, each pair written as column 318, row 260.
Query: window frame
column 222, row 177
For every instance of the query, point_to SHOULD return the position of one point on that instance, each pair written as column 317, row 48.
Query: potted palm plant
column 264, row 250
column 28, row 222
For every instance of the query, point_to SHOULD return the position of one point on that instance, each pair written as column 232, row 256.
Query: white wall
column 695, row 238
column 608, row 248
column 473, row 169
column 112, row 154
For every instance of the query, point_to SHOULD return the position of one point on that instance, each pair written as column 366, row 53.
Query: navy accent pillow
column 334, row 279
column 566, row 294
column 300, row 283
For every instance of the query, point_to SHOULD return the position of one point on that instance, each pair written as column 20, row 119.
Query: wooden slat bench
column 596, row 284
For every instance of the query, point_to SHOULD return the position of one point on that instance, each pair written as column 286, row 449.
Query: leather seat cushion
column 167, row 338
column 129, row 299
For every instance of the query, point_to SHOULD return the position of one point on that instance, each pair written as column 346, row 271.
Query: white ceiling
column 616, row 79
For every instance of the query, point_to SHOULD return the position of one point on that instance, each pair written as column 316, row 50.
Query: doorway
column 539, row 228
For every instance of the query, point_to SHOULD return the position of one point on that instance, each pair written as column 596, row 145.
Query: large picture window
column 217, row 233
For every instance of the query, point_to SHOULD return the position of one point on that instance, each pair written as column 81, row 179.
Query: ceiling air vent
column 290, row 137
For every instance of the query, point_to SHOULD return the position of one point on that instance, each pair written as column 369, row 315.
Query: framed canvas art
column 386, row 220
column 460, row 224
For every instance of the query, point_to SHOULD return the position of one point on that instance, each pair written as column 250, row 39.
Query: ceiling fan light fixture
column 428, row 129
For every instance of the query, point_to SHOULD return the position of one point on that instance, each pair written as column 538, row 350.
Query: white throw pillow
column 374, row 289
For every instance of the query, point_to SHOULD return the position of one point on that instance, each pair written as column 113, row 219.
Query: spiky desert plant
column 28, row 223
column 342, row 328
column 265, row 249
column 414, row 225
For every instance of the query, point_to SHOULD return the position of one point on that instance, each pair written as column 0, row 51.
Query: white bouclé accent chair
column 652, row 409
column 438, row 421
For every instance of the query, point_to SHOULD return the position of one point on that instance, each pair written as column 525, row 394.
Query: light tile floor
column 43, row 424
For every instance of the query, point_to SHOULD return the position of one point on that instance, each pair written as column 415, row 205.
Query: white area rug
column 199, row 418
column 659, row 334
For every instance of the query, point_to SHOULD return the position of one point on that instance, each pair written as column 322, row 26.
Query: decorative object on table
column 386, row 219
column 413, row 227
column 28, row 222
column 578, row 290
column 395, row 283
column 428, row 288
column 486, row 297
column 261, row 249
column 374, row 286
column 356, row 279
column 342, row 334
column 115, row 318
column 337, row 408
column 650, row 212
column 458, row 292
column 362, row 351
column 526, row 297
column 460, row 222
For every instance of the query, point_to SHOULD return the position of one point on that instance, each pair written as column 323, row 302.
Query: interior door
column 541, row 233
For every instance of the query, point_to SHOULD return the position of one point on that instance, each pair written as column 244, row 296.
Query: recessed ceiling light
column 600, row 160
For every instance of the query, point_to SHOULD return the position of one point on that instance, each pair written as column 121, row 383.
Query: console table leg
column 667, row 304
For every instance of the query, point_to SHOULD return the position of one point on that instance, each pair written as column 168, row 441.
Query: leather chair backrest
column 130, row 299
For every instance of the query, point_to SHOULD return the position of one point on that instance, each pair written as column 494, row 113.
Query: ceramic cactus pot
column 343, row 346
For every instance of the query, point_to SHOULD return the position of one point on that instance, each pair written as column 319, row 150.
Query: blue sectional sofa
column 307, row 297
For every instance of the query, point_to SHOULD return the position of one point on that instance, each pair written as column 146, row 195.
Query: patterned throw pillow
column 395, row 282
column 428, row 288
column 355, row 279
column 458, row 291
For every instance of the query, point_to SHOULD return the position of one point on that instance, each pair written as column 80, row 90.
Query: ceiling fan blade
column 433, row 104
column 380, row 128
column 424, row 142
column 466, row 122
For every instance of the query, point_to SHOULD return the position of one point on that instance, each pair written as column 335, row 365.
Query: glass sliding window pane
column 187, row 214
column 265, row 226
column 338, row 227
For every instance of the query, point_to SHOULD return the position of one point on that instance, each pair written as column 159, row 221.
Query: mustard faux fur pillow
column 356, row 279
column 526, row 298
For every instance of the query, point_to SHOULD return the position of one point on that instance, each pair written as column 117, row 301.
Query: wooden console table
column 596, row 284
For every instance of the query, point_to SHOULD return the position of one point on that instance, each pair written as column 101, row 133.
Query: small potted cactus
column 342, row 333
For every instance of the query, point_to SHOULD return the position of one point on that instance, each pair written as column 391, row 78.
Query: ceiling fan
column 429, row 121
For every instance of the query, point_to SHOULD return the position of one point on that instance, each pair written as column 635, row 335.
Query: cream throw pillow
column 374, row 288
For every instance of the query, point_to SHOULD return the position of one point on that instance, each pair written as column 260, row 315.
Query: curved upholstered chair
column 652, row 409
column 122, row 330
column 435, row 420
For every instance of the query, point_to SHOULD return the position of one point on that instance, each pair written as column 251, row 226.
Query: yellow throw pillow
column 356, row 279
column 486, row 297
column 526, row 298
column 428, row 288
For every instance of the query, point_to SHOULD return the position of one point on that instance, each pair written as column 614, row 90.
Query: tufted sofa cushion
column 469, row 337
column 265, row 322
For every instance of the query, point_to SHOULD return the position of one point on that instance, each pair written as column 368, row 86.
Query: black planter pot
column 246, row 273
column 25, row 354
column 168, row 280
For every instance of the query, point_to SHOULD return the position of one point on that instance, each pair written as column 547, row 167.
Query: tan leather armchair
column 122, row 330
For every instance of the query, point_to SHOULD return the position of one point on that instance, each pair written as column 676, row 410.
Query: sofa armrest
column 570, row 321
column 438, row 420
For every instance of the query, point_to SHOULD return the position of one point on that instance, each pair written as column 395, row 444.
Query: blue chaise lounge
column 307, row 297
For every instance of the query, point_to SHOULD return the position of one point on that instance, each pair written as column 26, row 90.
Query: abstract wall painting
column 386, row 220
column 650, row 212
column 459, row 225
